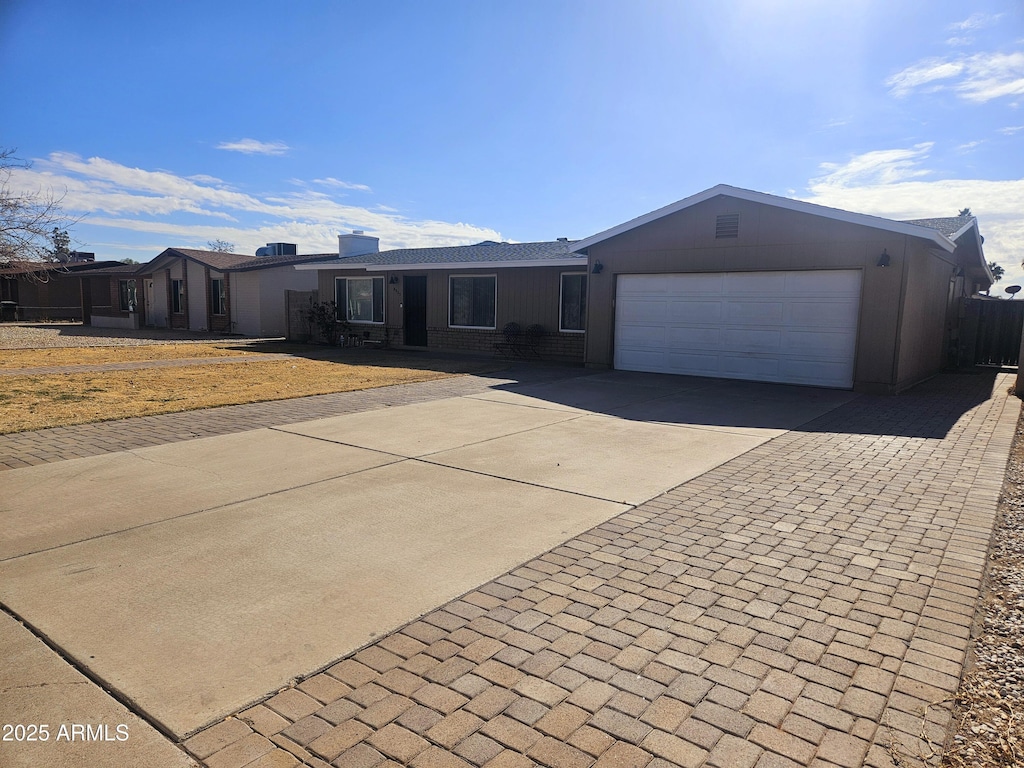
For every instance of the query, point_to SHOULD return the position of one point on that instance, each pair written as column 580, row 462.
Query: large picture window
column 218, row 297
column 572, row 309
column 360, row 299
column 177, row 296
column 471, row 301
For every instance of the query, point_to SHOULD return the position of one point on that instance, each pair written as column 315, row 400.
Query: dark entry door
column 414, row 297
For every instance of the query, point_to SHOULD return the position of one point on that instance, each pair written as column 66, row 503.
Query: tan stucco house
column 738, row 284
column 459, row 298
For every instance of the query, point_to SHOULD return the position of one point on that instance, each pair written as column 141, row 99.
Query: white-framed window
column 572, row 302
column 471, row 301
column 218, row 297
column 126, row 295
column 360, row 299
column 177, row 296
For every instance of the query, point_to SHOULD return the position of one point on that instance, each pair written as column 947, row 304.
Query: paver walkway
column 807, row 603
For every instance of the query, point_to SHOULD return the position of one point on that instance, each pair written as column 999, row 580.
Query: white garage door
column 793, row 327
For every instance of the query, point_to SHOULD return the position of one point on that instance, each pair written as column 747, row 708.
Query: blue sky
column 438, row 122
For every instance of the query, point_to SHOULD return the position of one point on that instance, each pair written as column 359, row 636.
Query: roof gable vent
column 727, row 225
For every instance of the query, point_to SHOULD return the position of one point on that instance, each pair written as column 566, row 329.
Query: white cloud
column 1011, row 129
column 976, row 21
column 191, row 211
column 330, row 181
column 979, row 78
column 255, row 147
column 924, row 72
column 893, row 194
column 959, row 41
column 968, row 146
column 884, row 166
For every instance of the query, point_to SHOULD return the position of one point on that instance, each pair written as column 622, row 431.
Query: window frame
column 219, row 300
column 343, row 306
column 178, row 297
column 125, row 289
column 494, row 319
column 561, row 300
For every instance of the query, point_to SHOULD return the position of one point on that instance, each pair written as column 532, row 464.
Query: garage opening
column 797, row 327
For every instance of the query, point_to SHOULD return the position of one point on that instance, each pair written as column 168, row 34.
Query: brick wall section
column 801, row 604
column 567, row 347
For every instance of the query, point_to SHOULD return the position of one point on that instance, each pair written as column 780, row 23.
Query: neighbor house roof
column 951, row 226
column 901, row 227
column 487, row 254
column 233, row 262
column 58, row 268
column 115, row 268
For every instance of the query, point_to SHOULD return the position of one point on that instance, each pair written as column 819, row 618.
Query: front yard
column 36, row 401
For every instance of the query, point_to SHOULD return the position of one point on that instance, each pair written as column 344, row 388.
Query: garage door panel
column 816, row 344
column 798, row 327
column 644, row 310
column 696, row 285
column 750, row 367
column 755, row 312
column 693, row 364
column 752, row 340
column 643, row 335
column 839, row 313
column 694, row 337
column 697, row 311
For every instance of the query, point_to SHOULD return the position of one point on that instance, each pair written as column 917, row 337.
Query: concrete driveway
column 194, row 578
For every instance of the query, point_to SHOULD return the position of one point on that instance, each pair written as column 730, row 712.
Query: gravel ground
column 990, row 703
column 48, row 335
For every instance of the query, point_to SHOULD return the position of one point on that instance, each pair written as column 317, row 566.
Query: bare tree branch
column 31, row 223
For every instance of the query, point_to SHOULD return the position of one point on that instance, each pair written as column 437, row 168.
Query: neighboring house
column 222, row 292
column 461, row 297
column 737, row 284
column 53, row 293
column 111, row 297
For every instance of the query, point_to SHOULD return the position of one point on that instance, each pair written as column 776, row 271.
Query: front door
column 150, row 304
column 415, row 310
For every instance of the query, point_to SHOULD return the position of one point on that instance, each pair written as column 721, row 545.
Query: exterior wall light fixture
column 884, row 259
column 598, row 267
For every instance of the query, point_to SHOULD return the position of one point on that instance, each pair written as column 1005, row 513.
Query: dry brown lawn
column 38, row 358
column 35, row 402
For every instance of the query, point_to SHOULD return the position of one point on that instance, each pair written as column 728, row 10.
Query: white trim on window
column 343, row 306
column 494, row 317
column 583, row 309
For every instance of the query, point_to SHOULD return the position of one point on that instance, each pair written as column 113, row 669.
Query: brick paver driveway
column 807, row 603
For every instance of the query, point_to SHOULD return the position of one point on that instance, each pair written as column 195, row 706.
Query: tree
column 996, row 270
column 33, row 226
column 965, row 212
column 61, row 250
column 221, row 246
column 130, row 261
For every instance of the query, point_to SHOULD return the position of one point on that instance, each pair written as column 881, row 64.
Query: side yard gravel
column 990, row 703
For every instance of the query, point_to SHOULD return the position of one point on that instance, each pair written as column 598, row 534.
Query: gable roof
column 487, row 254
column 877, row 222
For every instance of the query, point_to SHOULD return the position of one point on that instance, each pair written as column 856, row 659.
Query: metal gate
column 991, row 332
